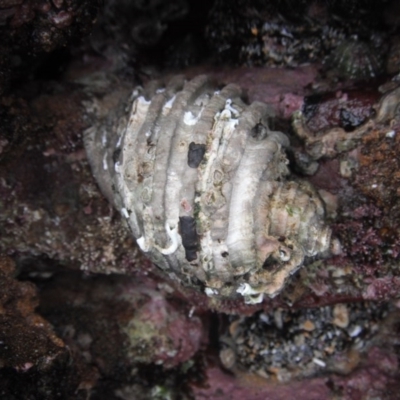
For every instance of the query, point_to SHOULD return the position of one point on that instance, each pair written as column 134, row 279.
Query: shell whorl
column 203, row 184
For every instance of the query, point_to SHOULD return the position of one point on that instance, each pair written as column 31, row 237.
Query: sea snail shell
column 204, row 186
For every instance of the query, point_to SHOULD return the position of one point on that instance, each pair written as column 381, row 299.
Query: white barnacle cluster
column 204, row 186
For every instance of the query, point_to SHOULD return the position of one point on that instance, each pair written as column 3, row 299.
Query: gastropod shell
column 205, row 187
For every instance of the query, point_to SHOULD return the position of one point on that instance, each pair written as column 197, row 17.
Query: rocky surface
column 120, row 330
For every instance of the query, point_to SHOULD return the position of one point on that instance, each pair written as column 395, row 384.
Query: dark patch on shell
column 116, row 154
column 196, row 154
column 187, row 229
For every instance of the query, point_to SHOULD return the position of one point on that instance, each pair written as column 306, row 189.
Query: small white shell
column 203, row 181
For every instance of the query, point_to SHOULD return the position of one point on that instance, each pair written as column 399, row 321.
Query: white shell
column 203, row 184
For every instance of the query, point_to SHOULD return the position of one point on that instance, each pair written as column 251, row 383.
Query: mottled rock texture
column 53, row 218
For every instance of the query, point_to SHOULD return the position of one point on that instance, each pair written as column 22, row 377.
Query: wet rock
column 34, row 360
column 48, row 197
column 27, row 340
column 289, row 344
column 144, row 323
column 291, row 33
column 30, row 28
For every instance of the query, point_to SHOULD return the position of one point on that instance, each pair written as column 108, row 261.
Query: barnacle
column 204, row 186
column 356, row 59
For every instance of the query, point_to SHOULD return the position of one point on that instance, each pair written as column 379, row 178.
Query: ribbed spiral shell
column 203, row 184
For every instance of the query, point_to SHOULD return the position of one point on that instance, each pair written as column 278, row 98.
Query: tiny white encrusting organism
column 204, row 186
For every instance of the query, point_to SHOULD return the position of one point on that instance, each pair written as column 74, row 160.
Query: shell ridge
column 204, row 197
column 181, row 179
column 204, row 187
column 240, row 187
column 198, row 137
column 147, row 150
column 240, row 239
column 217, row 210
column 163, row 154
column 127, row 173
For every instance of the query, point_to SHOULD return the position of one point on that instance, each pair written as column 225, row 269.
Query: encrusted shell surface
column 204, row 186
